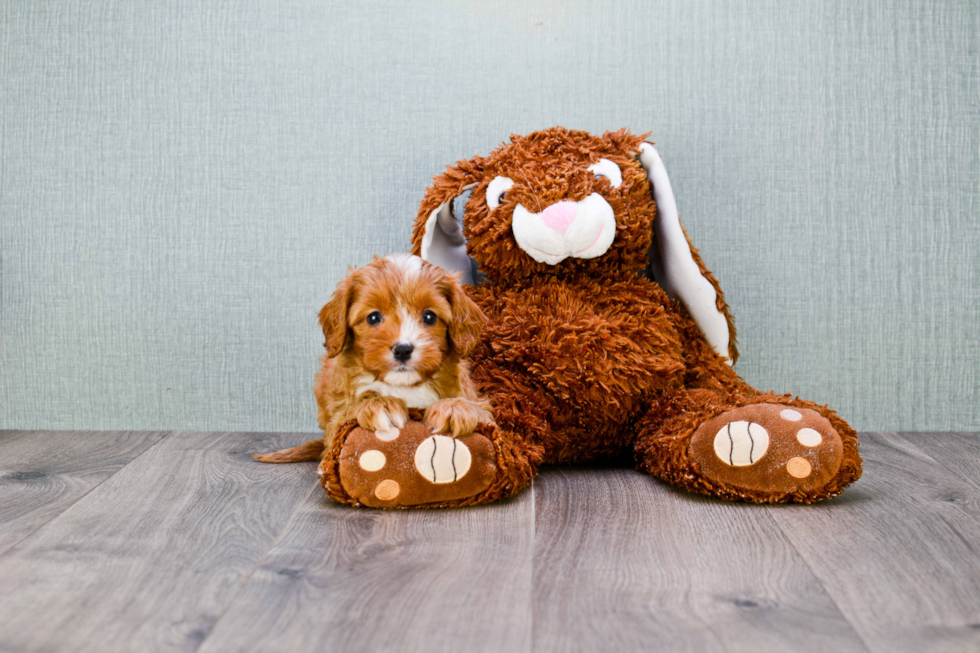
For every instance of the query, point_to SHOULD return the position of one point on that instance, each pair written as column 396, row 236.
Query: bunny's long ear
column 676, row 265
column 438, row 234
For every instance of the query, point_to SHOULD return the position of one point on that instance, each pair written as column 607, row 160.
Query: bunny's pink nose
column 560, row 216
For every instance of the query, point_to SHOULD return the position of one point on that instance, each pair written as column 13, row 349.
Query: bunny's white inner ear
column 443, row 243
column 673, row 264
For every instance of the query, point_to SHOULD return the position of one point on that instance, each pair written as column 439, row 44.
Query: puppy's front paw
column 456, row 417
column 383, row 415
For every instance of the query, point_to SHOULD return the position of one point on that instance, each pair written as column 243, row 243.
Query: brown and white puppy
column 397, row 333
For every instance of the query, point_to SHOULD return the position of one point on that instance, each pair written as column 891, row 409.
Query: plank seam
column 534, row 557
column 71, row 505
column 902, row 435
column 843, row 613
column 258, row 563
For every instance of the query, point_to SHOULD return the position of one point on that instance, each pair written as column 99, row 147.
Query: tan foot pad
column 768, row 448
column 414, row 467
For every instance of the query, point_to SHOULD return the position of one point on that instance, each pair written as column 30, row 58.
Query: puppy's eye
column 497, row 190
column 429, row 318
column 606, row 169
column 374, row 318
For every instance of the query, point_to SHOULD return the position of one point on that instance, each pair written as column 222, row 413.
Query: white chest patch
column 418, row 396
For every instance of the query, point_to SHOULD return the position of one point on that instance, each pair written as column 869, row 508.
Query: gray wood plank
column 957, row 452
column 152, row 557
column 346, row 579
column 44, row 472
column 899, row 550
column 625, row 563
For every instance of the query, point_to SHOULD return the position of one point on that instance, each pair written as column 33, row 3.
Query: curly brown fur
column 585, row 358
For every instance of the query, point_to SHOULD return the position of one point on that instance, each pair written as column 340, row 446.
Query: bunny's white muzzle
column 583, row 229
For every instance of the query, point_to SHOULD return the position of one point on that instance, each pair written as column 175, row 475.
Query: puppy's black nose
column 403, row 351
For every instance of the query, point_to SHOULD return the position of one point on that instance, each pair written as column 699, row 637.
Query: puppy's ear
column 333, row 316
column 468, row 320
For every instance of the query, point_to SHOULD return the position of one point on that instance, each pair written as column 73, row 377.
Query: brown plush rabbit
column 607, row 335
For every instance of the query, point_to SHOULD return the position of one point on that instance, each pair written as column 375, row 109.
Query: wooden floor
column 113, row 541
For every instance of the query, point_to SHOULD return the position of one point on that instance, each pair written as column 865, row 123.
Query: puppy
column 397, row 333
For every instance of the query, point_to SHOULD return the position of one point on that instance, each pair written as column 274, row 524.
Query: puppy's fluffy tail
column 311, row 450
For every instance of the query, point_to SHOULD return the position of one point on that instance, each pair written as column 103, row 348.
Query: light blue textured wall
column 182, row 184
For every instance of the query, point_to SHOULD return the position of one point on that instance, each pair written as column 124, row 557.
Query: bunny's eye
column 606, row 169
column 497, row 191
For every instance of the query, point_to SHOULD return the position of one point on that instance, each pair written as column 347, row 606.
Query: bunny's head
column 567, row 203
column 552, row 202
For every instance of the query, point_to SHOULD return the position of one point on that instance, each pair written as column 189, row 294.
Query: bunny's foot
column 768, row 448
column 772, row 450
column 408, row 467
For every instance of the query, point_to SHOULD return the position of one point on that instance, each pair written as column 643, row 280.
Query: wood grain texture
column 42, row 474
column 625, row 563
column 342, row 579
column 152, row 557
column 899, row 551
column 194, row 546
column 957, row 452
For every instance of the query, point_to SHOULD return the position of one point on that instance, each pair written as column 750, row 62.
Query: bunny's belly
column 595, row 351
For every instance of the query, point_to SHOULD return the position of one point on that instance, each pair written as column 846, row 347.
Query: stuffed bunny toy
column 607, row 338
